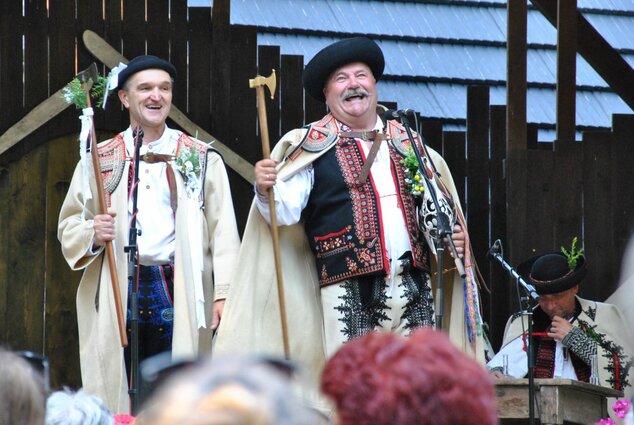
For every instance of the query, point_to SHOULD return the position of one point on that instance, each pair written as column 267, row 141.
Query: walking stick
column 87, row 78
column 259, row 82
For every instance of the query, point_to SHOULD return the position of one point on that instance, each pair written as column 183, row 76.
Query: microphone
column 496, row 249
column 496, row 252
column 393, row 114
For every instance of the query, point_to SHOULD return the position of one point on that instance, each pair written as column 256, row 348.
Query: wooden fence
column 533, row 199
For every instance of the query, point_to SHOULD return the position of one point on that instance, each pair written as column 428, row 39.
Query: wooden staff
column 259, row 82
column 87, row 78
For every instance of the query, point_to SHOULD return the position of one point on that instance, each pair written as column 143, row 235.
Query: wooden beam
column 566, row 68
column 36, row 118
column 608, row 63
column 516, row 75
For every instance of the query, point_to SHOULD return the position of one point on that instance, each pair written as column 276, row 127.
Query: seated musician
column 570, row 333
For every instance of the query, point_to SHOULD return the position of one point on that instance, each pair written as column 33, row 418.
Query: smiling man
column 354, row 257
column 187, row 236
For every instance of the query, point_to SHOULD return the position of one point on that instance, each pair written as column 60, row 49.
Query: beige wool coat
column 101, row 355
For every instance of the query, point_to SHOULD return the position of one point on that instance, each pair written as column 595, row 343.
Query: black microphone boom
column 393, row 114
column 496, row 249
column 496, row 253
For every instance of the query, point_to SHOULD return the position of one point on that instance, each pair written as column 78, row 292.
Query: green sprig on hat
column 573, row 255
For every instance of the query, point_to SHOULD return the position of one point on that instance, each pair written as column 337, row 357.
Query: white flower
column 113, row 81
column 188, row 163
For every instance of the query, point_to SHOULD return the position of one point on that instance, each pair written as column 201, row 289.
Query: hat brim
column 553, row 286
column 338, row 54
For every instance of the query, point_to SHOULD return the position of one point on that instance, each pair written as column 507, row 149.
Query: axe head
column 89, row 75
column 269, row 81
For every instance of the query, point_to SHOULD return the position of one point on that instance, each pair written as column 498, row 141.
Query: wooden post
column 566, row 68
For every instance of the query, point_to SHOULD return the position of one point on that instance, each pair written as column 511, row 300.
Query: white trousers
column 354, row 307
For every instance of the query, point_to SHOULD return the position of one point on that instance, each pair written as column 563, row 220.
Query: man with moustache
column 187, row 236
column 354, row 259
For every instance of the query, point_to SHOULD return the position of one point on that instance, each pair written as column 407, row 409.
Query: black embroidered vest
column 343, row 219
column 545, row 350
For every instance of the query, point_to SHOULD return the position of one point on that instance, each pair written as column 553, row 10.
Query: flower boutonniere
column 413, row 177
column 188, row 163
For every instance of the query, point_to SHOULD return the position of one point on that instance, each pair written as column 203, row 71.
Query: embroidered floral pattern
column 618, row 362
column 112, row 158
column 334, row 243
column 359, row 319
column 419, row 308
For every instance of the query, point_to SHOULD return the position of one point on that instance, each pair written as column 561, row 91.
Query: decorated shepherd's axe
column 87, row 78
column 258, row 83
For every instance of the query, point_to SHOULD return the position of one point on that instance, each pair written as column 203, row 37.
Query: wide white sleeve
column 291, row 197
column 517, row 358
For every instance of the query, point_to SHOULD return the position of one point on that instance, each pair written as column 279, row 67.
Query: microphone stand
column 496, row 253
column 133, row 267
column 444, row 229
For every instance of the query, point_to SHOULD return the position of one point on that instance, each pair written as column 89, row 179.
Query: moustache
column 354, row 92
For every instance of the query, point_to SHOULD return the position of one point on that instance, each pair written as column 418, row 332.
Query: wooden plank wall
column 533, row 199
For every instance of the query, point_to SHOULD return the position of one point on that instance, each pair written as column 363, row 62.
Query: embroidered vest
column 113, row 155
column 343, row 219
column 545, row 351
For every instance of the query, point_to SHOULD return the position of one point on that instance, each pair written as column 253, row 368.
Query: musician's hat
column 338, row 54
column 550, row 273
column 141, row 63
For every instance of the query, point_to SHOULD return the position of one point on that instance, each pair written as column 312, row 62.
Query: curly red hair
column 383, row 378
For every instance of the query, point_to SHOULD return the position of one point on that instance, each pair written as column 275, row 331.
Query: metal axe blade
column 89, row 75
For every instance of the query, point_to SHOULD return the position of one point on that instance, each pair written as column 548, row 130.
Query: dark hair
column 383, row 378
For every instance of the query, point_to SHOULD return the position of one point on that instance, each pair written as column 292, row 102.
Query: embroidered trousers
column 354, row 307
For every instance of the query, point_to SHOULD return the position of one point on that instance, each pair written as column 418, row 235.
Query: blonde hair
column 22, row 395
column 227, row 392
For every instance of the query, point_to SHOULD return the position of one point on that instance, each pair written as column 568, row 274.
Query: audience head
column 65, row 407
column 22, row 394
column 228, row 391
column 383, row 378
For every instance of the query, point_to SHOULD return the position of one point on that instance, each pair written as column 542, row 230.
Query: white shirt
column 518, row 360
column 155, row 218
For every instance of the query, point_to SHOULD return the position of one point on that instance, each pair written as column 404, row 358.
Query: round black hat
column 338, row 54
column 141, row 63
column 550, row 274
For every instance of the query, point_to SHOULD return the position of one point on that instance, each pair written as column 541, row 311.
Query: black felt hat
column 551, row 274
column 338, row 54
column 141, row 63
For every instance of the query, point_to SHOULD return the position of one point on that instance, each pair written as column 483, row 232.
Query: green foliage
column 573, row 255
column 74, row 93
column 411, row 162
column 414, row 179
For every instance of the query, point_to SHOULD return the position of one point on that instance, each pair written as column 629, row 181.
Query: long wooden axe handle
column 259, row 82
column 86, row 78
